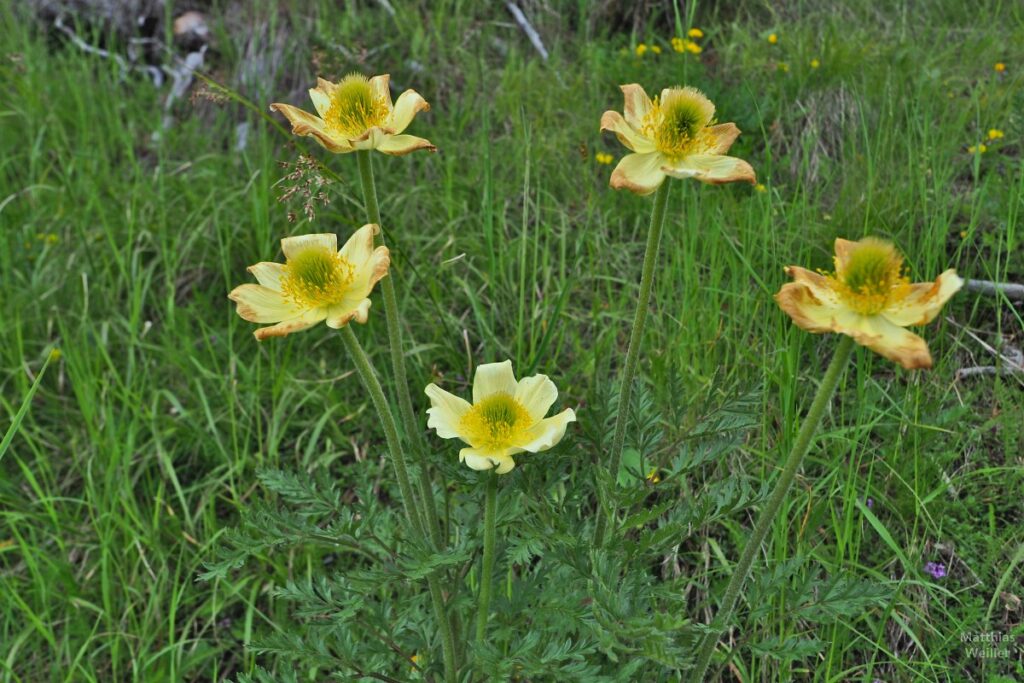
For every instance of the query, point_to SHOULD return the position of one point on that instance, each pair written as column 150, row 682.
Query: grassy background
column 145, row 435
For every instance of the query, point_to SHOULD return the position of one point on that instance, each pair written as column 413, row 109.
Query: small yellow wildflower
column 656, row 49
column 505, row 418
column 678, row 44
column 773, row 39
column 357, row 113
column 693, row 48
column 869, row 299
column 963, row 234
column 1000, row 67
column 995, row 134
column 783, row 67
column 815, row 63
column 317, row 282
column 760, row 187
column 603, row 158
column 672, row 136
column 980, row 149
column 55, row 355
column 695, row 33
column 653, row 476
column 641, row 49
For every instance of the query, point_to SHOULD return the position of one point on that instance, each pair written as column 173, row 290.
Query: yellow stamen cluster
column 317, row 277
column 497, row 422
column 355, row 108
column 677, row 124
column 871, row 277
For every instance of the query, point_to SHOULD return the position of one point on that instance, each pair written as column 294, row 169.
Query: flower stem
column 487, row 568
column 764, row 522
column 372, row 385
column 633, row 353
column 428, row 509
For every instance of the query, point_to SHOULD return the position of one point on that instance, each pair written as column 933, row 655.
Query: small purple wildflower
column 871, row 503
column 936, row 569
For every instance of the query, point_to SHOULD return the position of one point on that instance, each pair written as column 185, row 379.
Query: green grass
column 143, row 440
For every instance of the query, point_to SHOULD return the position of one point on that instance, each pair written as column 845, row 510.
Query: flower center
column 871, row 276
column 496, row 423
column 677, row 123
column 317, row 277
column 355, row 108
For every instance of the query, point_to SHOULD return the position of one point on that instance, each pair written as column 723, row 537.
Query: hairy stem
column 387, row 285
column 372, row 386
column 487, row 568
column 604, row 519
column 764, row 522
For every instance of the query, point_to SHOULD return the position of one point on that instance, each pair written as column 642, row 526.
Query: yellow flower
column 1000, row 67
column 672, row 136
column 692, row 47
column 980, row 149
column 773, row 39
column 869, row 299
column 815, row 63
column 603, row 158
column 679, row 45
column 641, row 49
column 995, row 134
column 357, row 113
column 653, row 476
column 760, row 187
column 656, row 49
column 695, row 33
column 317, row 282
column 505, row 418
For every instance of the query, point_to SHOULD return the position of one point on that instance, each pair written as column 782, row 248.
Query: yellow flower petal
column 724, row 135
column 711, row 168
column 301, row 322
column 894, row 342
column 304, row 123
column 549, row 431
column 321, row 96
column 809, row 301
column 408, row 105
column 296, row 245
column 359, row 247
column 381, row 86
column 537, row 394
column 397, row 145
column 637, row 105
column 268, row 274
column 259, row 304
column 925, row 300
column 632, row 139
column 445, row 412
column 348, row 309
column 639, row 173
column 482, row 460
column 493, row 378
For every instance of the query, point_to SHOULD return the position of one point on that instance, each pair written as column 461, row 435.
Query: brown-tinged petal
column 637, row 105
column 340, row 314
column 259, row 304
column 630, row 138
column 711, row 168
column 397, row 145
column 924, row 301
column 724, row 134
column 801, row 302
column 305, row 124
column 292, row 325
column 639, row 173
column 891, row 341
column 408, row 105
column 381, row 86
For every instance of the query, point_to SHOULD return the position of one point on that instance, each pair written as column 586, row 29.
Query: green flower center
column 496, row 423
column 355, row 108
column 316, row 277
column 677, row 123
column 871, row 277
